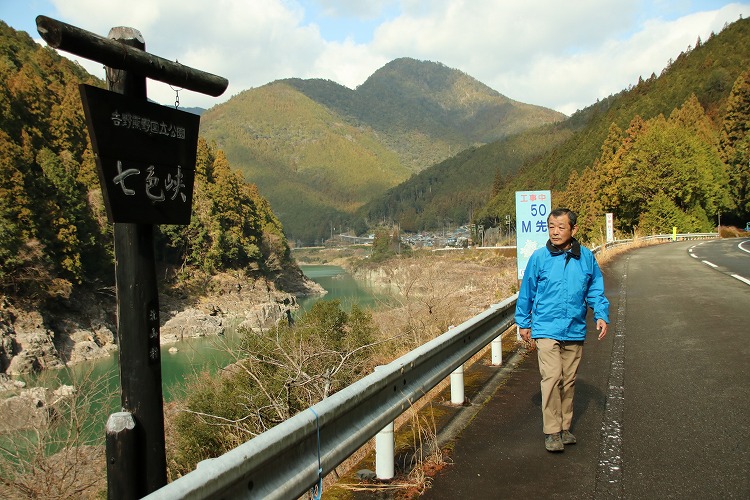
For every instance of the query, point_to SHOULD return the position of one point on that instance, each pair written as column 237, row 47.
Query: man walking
column 560, row 281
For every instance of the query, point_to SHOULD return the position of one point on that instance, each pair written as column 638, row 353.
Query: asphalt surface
column 662, row 406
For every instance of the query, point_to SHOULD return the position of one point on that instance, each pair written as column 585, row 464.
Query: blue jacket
column 556, row 289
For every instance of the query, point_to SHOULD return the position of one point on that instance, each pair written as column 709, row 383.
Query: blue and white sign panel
column 532, row 210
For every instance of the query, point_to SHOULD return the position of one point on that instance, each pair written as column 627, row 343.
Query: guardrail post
column 385, row 450
column 457, row 386
column 497, row 351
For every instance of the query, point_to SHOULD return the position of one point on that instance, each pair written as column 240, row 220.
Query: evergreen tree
column 15, row 210
column 497, row 183
column 663, row 173
column 735, row 145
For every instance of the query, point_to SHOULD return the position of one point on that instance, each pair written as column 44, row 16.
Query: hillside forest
column 54, row 233
column 672, row 150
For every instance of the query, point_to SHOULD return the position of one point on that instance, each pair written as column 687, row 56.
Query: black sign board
column 145, row 156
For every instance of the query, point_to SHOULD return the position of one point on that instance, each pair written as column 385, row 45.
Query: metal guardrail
column 283, row 463
column 657, row 237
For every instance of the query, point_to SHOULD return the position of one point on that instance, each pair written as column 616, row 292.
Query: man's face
column 560, row 232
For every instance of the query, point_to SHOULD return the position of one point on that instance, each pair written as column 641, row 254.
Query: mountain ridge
column 480, row 186
column 405, row 117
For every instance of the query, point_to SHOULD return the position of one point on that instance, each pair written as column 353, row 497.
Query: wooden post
column 138, row 316
column 83, row 43
column 121, row 455
column 136, row 459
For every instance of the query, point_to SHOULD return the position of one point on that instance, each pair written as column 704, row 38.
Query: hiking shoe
column 567, row 437
column 553, row 442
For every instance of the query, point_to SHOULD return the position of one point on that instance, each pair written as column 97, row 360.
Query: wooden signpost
column 145, row 155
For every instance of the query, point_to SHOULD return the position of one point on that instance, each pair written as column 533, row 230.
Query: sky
column 562, row 55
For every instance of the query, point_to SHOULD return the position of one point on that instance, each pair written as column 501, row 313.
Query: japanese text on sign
column 155, row 190
column 147, row 125
column 145, row 157
column 532, row 210
column 152, row 322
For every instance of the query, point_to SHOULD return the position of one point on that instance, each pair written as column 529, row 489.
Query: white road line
column 609, row 476
column 743, row 243
column 744, row 280
column 710, row 263
column 694, row 256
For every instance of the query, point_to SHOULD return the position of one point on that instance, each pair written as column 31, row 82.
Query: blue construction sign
column 532, row 210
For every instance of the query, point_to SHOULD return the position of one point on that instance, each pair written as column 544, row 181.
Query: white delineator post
column 497, row 351
column 385, row 451
column 457, row 386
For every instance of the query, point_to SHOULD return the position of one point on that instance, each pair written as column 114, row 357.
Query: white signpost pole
column 610, row 228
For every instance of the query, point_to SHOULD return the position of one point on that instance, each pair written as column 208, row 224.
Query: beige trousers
column 558, row 365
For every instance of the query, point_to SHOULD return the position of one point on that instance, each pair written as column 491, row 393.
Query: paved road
column 662, row 404
column 730, row 256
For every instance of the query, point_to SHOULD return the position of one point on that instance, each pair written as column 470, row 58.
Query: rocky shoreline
column 82, row 327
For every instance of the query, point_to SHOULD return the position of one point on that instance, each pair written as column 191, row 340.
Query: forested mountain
column 669, row 132
column 453, row 191
column 693, row 95
column 406, row 100
column 311, row 163
column 54, row 234
column 319, row 150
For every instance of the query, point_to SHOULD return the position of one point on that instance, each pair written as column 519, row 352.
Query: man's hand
column 602, row 327
column 525, row 334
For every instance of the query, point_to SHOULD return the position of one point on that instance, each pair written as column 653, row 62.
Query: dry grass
column 605, row 255
column 732, row 232
column 77, row 467
column 432, row 292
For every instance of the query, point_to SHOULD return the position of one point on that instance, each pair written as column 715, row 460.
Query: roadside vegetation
column 58, row 454
column 286, row 369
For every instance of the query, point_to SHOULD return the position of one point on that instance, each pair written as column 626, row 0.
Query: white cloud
column 563, row 55
column 347, row 8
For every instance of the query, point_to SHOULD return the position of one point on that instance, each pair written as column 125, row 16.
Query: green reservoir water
column 204, row 354
column 341, row 286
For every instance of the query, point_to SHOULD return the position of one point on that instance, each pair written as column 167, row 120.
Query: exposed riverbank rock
column 249, row 304
column 191, row 323
column 26, row 344
column 264, row 316
column 81, row 327
column 29, row 408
